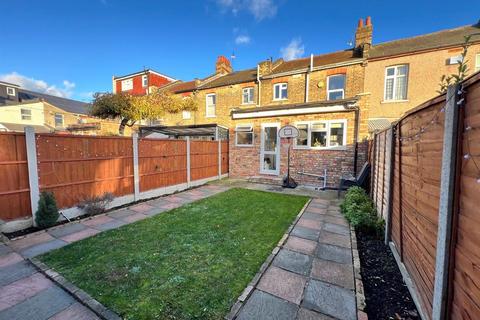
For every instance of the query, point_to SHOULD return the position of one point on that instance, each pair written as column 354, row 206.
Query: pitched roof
column 19, row 127
column 69, row 105
column 319, row 60
column 444, row 38
column 232, row 78
column 183, row 86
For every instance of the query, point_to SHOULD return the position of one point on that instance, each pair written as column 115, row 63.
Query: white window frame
column 252, row 96
column 214, row 106
column 145, row 80
column 280, row 84
column 55, row 119
column 28, row 114
column 263, row 152
column 328, row 127
column 394, row 77
column 186, row 115
column 336, row 90
column 477, row 62
column 126, row 81
column 248, row 127
column 10, row 91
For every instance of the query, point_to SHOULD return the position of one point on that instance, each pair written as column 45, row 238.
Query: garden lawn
column 189, row 263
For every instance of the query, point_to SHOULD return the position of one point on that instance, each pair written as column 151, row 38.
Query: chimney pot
column 369, row 21
column 360, row 23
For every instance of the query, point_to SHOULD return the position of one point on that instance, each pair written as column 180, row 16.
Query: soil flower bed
column 189, row 263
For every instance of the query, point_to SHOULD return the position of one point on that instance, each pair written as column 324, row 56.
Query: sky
column 72, row 48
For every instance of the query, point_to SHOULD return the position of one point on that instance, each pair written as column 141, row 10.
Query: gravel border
column 359, row 292
column 83, row 297
column 248, row 290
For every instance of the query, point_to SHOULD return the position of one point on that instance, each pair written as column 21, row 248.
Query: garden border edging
column 359, row 292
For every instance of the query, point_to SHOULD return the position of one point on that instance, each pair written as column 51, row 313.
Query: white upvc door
column 270, row 149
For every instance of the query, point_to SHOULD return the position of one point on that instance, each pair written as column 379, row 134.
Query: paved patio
column 310, row 278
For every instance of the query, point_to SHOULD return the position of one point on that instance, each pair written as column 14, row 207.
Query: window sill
column 394, row 101
column 244, row 145
column 271, row 173
column 280, row 99
column 247, row 103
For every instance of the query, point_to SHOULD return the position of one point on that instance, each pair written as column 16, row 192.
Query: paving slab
column 330, row 300
column 308, row 223
column 142, row 207
column 10, row 258
column 30, row 241
column 86, row 233
column 334, row 253
column 134, row 217
column 313, row 216
column 336, row 228
column 335, row 239
column 264, row 306
column 301, row 245
column 95, row 221
column 39, row 307
column 66, row 229
column 290, row 288
column 332, row 272
column 22, row 289
column 43, row 247
column 305, row 314
column 293, row 261
column 306, row 233
column 75, row 312
column 121, row 213
column 4, row 249
column 110, row 225
column 316, row 210
column 15, row 272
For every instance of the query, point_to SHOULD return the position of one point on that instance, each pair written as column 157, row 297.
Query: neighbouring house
column 139, row 83
column 47, row 114
column 402, row 74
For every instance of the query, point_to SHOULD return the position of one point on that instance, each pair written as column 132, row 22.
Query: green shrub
column 360, row 212
column 47, row 212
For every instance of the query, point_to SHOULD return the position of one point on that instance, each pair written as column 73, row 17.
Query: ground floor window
column 321, row 134
column 244, row 135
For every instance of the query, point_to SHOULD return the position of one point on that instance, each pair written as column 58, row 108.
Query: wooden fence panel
column 203, row 159
column 162, row 163
column 465, row 286
column 76, row 168
column 14, row 186
column 225, row 159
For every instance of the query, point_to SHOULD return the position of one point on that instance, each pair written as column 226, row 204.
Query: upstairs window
column 477, row 62
column 280, row 91
column 336, row 87
column 145, row 81
column 396, row 83
column 244, row 135
column 11, row 91
column 58, row 120
column 26, row 114
column 247, row 96
column 127, row 84
column 211, row 101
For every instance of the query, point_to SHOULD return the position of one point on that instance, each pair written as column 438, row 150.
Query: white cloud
column 39, row 85
column 260, row 9
column 294, row 50
column 242, row 39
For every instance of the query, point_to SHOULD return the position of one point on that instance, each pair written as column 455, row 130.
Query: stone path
column 311, row 277
column 28, row 294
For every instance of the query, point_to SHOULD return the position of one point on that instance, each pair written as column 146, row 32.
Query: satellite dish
column 288, row 132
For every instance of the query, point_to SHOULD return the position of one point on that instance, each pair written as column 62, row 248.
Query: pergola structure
column 212, row 131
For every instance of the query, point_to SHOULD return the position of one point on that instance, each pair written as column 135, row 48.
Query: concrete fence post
column 390, row 163
column 219, row 159
column 445, row 212
column 188, row 162
column 136, row 175
column 32, row 170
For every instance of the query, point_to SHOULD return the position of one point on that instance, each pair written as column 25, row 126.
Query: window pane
column 390, row 71
column 336, row 82
column 335, row 95
column 269, row 162
column 402, row 70
column 389, row 89
column 58, row 120
column 401, row 88
column 277, row 92
column 284, row 91
column 477, row 62
column 244, row 138
column 319, row 138
column 336, row 134
column 302, row 139
column 319, row 126
column 270, row 139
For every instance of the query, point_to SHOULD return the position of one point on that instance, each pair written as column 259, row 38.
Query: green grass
column 189, row 263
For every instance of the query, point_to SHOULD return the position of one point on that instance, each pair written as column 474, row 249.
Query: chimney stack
column 363, row 37
column 223, row 65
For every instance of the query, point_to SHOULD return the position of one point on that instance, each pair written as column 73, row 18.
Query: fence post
column 219, row 158
column 136, row 176
column 32, row 171
column 445, row 212
column 390, row 177
column 188, row 162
